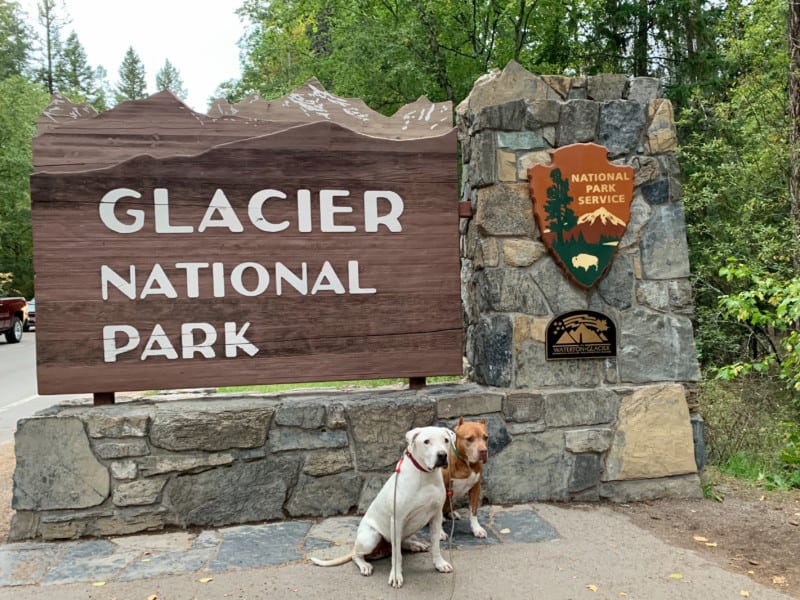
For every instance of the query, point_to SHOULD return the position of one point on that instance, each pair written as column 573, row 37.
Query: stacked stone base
column 210, row 460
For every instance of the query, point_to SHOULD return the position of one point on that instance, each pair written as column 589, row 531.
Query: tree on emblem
column 560, row 217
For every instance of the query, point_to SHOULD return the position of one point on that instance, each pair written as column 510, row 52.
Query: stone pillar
column 512, row 286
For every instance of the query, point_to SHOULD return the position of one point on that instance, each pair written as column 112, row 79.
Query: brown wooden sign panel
column 309, row 253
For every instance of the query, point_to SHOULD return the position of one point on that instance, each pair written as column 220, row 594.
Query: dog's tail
column 334, row 562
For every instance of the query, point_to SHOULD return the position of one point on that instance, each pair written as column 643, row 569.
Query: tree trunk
column 794, row 127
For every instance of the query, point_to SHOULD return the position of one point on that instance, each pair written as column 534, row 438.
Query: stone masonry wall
column 512, row 287
column 213, row 460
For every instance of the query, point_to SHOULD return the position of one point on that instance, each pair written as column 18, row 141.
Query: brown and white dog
column 465, row 468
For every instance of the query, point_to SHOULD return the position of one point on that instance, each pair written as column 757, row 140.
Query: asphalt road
column 18, row 396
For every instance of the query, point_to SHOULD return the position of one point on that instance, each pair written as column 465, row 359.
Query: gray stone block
column 110, row 449
column 113, row 422
column 325, row 496
column 306, row 413
column 523, row 406
column 510, row 290
column 520, row 140
column 59, row 475
column 532, row 467
column 644, row 89
column 291, row 438
column 580, row 407
column 606, row 86
column 665, row 252
column 620, row 128
column 685, row 486
column 585, row 473
column 211, row 425
column 509, row 116
column 578, row 122
column 254, row 491
column 591, row 439
column 493, row 351
column 656, row 347
column 136, row 493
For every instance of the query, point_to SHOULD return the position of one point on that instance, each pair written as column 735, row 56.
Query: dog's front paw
column 396, row 579
column 478, row 531
column 366, row 569
column 442, row 565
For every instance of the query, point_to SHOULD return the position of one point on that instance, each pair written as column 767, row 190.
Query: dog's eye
column 485, row 438
column 426, row 442
column 471, row 439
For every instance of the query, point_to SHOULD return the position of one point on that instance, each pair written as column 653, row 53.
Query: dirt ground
column 748, row 530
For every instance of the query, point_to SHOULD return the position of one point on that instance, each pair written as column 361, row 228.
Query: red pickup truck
column 13, row 318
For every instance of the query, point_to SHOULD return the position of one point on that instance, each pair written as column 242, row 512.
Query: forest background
column 730, row 68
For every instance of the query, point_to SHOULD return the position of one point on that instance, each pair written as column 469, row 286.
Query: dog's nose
column 483, row 456
column 441, row 459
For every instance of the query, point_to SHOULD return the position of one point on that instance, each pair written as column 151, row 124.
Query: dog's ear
column 482, row 421
column 460, row 421
column 410, row 435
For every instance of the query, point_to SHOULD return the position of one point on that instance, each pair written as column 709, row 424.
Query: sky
column 198, row 38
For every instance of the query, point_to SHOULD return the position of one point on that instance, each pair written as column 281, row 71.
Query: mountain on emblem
column 582, row 205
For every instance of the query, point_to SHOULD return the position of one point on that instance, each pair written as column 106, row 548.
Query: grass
column 361, row 383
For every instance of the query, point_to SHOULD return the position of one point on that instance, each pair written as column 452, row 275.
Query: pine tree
column 560, row 216
column 52, row 23
column 72, row 72
column 132, row 84
column 169, row 78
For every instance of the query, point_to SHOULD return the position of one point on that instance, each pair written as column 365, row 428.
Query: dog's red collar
column 414, row 462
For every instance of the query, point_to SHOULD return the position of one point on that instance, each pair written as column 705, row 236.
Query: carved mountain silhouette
column 597, row 225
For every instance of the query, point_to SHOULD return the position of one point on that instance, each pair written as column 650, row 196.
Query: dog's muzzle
column 441, row 460
column 483, row 456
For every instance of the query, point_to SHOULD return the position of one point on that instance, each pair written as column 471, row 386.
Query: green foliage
column 132, row 83
column 20, row 104
column 771, row 307
column 169, row 78
column 15, row 40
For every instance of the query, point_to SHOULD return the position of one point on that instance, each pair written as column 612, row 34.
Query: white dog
column 410, row 498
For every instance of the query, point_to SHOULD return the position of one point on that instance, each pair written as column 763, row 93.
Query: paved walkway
column 534, row 551
column 241, row 547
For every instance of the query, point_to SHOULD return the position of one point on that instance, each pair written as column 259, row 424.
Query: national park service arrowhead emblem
column 582, row 204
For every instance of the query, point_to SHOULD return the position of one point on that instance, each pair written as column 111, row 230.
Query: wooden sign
column 177, row 250
column 582, row 205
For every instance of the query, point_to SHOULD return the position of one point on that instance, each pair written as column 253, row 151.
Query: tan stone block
column 661, row 134
column 506, row 166
column 522, row 253
column 537, row 157
column 653, row 437
column 487, row 253
column 528, row 329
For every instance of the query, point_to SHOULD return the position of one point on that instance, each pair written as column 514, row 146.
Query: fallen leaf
column 592, row 587
column 205, row 579
column 744, row 594
column 98, row 583
column 711, row 544
column 675, row 576
column 153, row 597
column 795, row 523
column 751, row 572
column 505, row 530
column 778, row 579
column 146, row 560
column 753, row 562
column 623, row 594
column 700, row 538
